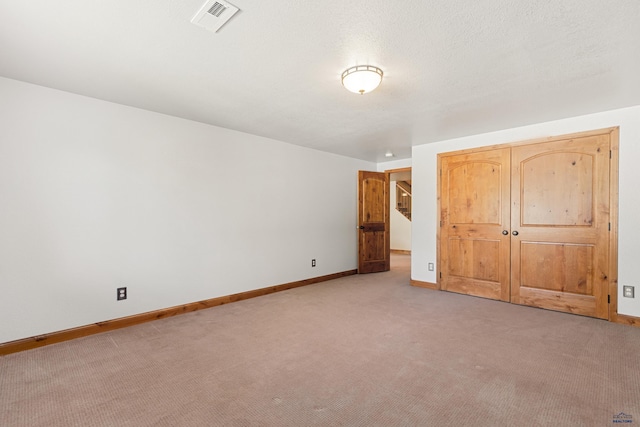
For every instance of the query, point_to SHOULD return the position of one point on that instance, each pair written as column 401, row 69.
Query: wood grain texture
column 401, row 251
column 474, row 213
column 441, row 260
column 398, row 170
column 627, row 320
column 403, row 199
column 563, row 207
column 558, row 301
column 613, row 219
column 404, row 186
column 557, row 267
column 373, row 222
column 611, row 131
column 569, row 204
column 475, row 287
column 427, row 285
column 474, row 258
column 123, row 322
column 560, row 209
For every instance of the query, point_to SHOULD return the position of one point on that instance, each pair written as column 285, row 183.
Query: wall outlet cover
column 628, row 291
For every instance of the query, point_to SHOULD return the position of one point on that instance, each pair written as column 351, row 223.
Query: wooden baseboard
column 400, row 251
column 427, row 285
column 136, row 319
column 626, row 320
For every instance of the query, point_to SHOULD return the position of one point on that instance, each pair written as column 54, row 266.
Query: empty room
column 346, row 213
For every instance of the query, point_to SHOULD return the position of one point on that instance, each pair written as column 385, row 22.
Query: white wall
column 96, row 195
column 425, row 183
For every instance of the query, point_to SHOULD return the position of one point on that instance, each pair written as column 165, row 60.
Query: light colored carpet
column 365, row 350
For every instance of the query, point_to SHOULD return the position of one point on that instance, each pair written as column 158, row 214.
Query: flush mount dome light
column 361, row 78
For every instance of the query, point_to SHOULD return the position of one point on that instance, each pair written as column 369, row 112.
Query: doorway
column 384, row 220
column 400, row 214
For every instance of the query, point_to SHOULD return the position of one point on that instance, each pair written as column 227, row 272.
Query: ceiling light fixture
column 361, row 78
column 388, row 154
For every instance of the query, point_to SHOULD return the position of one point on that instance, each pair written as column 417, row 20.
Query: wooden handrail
column 405, row 186
column 403, row 198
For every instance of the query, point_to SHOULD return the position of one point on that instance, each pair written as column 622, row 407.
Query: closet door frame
column 613, row 207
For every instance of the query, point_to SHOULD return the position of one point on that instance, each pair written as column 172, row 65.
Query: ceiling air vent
column 214, row 14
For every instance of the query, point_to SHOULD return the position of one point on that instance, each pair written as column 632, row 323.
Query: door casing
column 613, row 203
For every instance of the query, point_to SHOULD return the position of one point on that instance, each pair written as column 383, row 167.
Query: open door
column 373, row 222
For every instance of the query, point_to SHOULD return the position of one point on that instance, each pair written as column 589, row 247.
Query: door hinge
column 609, row 299
column 441, row 274
column 609, row 226
column 441, row 223
column 609, row 153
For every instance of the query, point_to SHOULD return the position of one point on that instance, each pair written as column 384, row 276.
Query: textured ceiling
column 452, row 68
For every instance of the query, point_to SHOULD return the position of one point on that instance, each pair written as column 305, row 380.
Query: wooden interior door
column 474, row 233
column 560, row 225
column 373, row 222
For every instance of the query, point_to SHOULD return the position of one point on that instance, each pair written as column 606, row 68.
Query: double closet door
column 529, row 224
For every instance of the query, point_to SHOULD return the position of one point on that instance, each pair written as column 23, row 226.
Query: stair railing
column 403, row 198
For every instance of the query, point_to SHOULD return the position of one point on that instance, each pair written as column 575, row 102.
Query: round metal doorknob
column 515, row 233
column 505, row 232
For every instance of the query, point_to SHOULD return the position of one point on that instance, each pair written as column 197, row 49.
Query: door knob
column 515, row 233
column 361, row 227
column 505, row 232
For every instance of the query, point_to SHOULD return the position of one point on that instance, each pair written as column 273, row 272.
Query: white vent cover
column 214, row 14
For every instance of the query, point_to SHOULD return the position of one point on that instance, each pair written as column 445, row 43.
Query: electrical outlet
column 313, row 263
column 430, row 266
column 628, row 291
column 121, row 294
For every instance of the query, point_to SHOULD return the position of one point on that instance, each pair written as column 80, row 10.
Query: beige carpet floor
column 365, row 350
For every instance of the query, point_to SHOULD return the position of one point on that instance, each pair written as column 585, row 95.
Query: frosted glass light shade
column 361, row 78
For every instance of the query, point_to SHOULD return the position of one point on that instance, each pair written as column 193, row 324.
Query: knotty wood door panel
column 560, row 212
column 530, row 223
column 474, row 252
column 374, row 254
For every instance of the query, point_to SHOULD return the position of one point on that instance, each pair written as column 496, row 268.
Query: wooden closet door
column 560, row 225
column 474, row 252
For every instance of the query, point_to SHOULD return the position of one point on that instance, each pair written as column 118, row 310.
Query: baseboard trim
column 136, row 319
column 427, row 285
column 617, row 318
column 400, row 251
column 627, row 320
